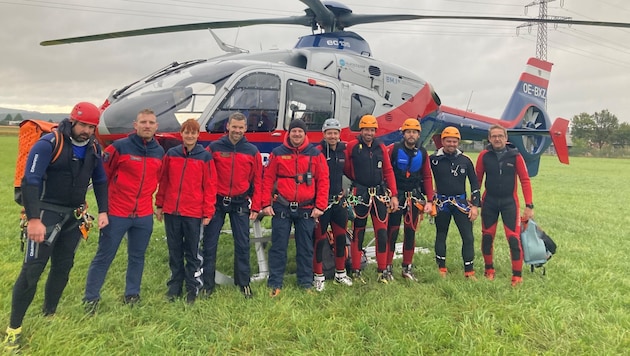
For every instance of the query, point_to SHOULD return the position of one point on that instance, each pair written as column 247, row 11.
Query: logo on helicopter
column 338, row 43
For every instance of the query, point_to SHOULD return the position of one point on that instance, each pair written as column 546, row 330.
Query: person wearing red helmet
column 451, row 167
column 53, row 193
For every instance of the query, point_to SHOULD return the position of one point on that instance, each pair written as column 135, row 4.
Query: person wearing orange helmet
column 501, row 163
column 413, row 179
column 451, row 167
column 53, row 195
column 374, row 189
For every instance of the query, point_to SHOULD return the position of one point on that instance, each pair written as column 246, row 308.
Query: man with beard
column 239, row 167
column 53, row 194
column 295, row 192
column 414, row 183
column 501, row 163
column 374, row 188
column 450, row 169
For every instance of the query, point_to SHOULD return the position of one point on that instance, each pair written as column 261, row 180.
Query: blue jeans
column 138, row 232
column 280, row 231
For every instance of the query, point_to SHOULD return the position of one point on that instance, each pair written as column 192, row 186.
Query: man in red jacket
column 133, row 167
column 239, row 167
column 374, row 186
column 295, row 192
column 185, row 200
column 502, row 164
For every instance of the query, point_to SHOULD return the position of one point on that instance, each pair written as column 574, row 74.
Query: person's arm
column 526, row 187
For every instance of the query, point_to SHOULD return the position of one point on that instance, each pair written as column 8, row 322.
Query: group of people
column 301, row 186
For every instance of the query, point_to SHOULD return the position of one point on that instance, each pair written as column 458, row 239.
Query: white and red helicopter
column 330, row 73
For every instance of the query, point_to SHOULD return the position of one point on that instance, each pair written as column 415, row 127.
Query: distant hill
column 31, row 115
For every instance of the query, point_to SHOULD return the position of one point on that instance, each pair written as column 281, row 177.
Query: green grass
column 582, row 305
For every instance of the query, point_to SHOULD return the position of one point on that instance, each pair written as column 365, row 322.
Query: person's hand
column 159, row 214
column 35, row 230
column 103, row 220
column 316, row 213
column 428, row 207
column 253, row 215
column 268, row 210
column 528, row 213
column 393, row 204
column 472, row 214
column 205, row 221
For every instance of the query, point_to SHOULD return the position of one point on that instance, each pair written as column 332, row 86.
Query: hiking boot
column 443, row 271
column 319, row 282
column 191, row 296
column 407, row 272
column 357, row 277
column 90, row 306
column 389, row 274
column 247, row 292
column 516, row 280
column 131, row 299
column 470, row 275
column 11, row 342
column 274, row 292
column 342, row 278
column 382, row 277
column 489, row 274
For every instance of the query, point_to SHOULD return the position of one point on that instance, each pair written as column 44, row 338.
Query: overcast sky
column 472, row 65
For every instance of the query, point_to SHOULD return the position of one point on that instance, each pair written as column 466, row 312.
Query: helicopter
column 329, row 73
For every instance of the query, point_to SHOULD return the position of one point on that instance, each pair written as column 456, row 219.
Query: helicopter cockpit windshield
column 174, row 96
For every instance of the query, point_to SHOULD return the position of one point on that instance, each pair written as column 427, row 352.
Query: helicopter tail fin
column 531, row 89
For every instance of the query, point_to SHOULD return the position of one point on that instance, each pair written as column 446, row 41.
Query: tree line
column 601, row 131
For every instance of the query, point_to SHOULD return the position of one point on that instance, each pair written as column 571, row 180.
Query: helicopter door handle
column 276, row 134
column 388, row 105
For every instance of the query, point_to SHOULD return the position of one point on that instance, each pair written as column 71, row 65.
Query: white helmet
column 331, row 124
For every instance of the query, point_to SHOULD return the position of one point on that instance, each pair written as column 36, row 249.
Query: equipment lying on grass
column 538, row 247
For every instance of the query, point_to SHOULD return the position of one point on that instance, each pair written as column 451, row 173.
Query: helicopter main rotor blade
column 347, row 20
column 324, row 17
column 292, row 20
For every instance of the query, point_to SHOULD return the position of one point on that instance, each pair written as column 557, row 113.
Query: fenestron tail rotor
column 327, row 16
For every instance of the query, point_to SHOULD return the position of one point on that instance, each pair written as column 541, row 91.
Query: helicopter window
column 311, row 103
column 360, row 105
column 257, row 96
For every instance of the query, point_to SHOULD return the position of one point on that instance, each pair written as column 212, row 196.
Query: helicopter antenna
column 469, row 99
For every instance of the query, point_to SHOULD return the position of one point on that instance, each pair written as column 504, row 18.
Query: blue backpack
column 538, row 247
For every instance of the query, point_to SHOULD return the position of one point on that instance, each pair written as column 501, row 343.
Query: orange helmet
column 451, row 132
column 368, row 121
column 411, row 124
column 86, row 113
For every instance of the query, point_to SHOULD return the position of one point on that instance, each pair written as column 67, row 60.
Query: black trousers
column 61, row 254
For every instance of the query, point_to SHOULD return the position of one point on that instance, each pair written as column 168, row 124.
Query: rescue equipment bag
column 538, row 247
column 30, row 132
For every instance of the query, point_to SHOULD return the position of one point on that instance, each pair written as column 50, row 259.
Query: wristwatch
column 529, row 206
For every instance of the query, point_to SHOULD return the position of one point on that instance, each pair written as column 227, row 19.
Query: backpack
column 538, row 247
column 30, row 132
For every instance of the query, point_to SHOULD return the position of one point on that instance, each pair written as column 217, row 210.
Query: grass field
column 582, row 305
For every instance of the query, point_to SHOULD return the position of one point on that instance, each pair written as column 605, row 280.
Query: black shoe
column 172, row 297
column 48, row 312
column 247, row 292
column 90, row 306
column 131, row 299
column 191, row 297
